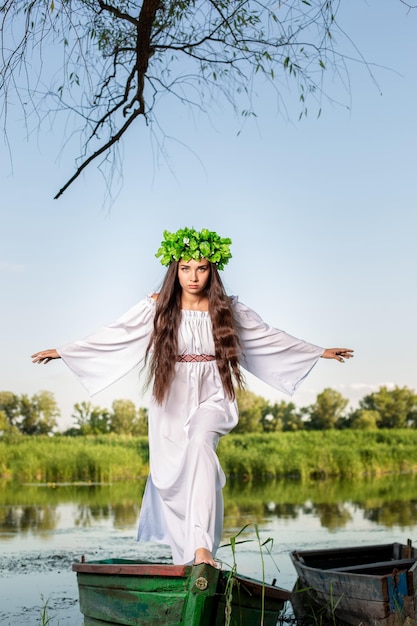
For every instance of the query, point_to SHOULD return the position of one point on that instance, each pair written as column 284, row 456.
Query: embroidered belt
column 194, row 358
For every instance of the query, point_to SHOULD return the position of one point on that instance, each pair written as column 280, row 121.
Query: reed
column 302, row 455
column 45, row 618
column 319, row 454
column 78, row 459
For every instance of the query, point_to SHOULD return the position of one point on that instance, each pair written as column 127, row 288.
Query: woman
column 195, row 339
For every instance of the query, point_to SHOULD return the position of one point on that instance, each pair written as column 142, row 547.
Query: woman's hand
column 340, row 354
column 45, row 356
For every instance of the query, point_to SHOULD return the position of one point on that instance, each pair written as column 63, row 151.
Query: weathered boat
column 129, row 593
column 366, row 585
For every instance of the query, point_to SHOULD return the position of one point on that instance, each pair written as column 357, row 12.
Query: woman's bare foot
column 202, row 555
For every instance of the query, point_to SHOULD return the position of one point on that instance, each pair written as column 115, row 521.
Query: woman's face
column 193, row 276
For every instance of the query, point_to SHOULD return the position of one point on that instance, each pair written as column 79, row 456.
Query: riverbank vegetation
column 67, row 459
column 300, row 455
column 385, row 408
column 318, row 455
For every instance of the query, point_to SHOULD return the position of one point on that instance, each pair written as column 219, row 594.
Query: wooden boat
column 366, row 585
column 129, row 593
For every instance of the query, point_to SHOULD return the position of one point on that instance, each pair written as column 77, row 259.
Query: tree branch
column 113, row 140
column 117, row 13
column 143, row 45
column 113, row 49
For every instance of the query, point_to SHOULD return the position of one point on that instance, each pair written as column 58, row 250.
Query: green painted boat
column 119, row 592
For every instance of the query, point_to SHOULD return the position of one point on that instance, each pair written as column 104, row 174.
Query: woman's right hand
column 44, row 356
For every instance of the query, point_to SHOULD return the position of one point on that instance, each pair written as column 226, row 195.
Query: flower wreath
column 187, row 244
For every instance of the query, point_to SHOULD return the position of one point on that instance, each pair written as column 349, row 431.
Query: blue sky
column 322, row 214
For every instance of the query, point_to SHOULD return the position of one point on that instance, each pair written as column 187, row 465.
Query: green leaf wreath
column 187, row 244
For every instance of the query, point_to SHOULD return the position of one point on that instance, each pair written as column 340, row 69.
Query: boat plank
column 156, row 584
column 384, row 567
column 357, row 555
column 359, row 607
column 363, row 613
column 353, row 586
column 127, row 568
column 256, row 588
column 130, row 608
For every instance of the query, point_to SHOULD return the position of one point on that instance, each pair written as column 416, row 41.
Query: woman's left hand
column 340, row 354
column 45, row 356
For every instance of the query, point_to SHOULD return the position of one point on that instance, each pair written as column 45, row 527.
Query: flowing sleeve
column 111, row 352
column 279, row 359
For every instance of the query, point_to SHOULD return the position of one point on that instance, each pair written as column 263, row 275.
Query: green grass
column 74, row 459
column 305, row 455
column 301, row 455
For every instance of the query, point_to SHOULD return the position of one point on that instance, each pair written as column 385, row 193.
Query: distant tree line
column 385, row 408
column 39, row 415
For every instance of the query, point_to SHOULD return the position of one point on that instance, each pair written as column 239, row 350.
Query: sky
column 321, row 212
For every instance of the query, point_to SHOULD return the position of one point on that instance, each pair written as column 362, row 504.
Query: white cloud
column 361, row 387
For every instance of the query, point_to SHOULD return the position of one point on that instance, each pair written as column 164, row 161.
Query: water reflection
column 403, row 514
column 25, row 519
column 388, row 502
column 333, row 516
column 122, row 515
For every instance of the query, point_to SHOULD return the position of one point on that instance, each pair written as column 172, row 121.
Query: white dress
column 183, row 503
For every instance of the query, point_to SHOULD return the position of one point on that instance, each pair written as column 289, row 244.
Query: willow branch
column 113, row 140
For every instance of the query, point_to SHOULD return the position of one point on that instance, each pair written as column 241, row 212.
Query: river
column 45, row 528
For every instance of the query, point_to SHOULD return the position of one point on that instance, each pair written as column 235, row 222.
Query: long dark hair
column 163, row 344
